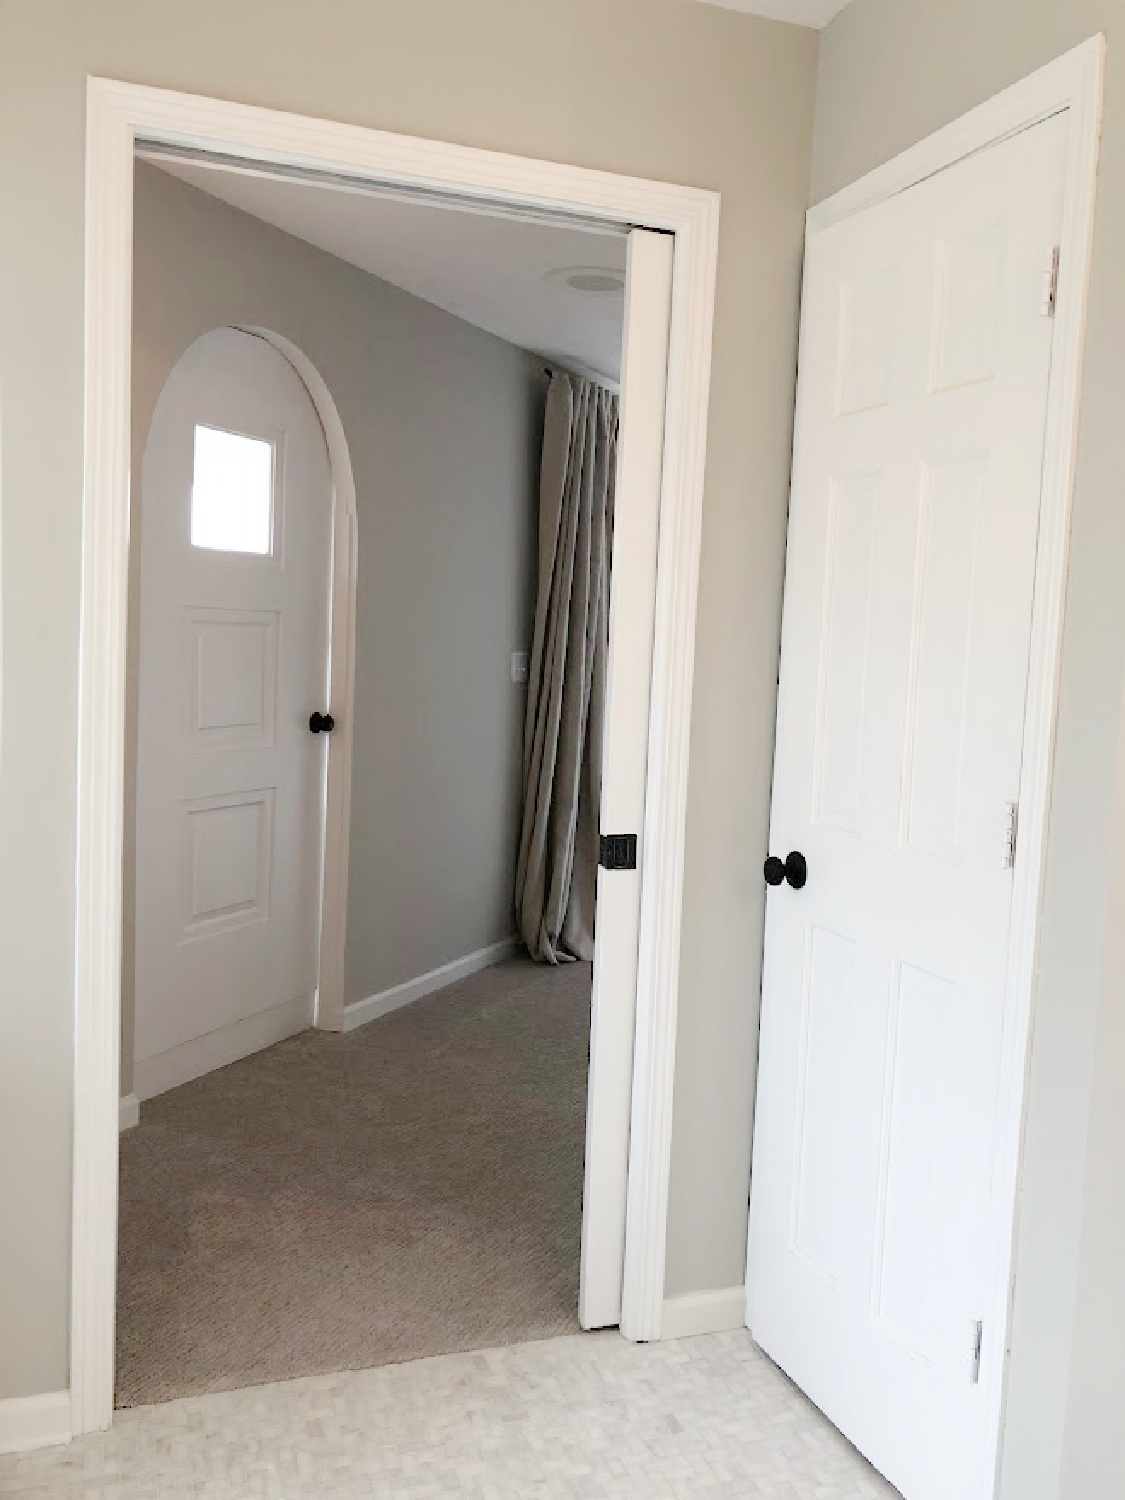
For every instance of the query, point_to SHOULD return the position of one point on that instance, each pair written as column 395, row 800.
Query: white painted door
column 644, row 371
column 235, row 544
column 925, row 359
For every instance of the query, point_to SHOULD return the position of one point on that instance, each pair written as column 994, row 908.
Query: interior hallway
column 343, row 1202
column 593, row 1416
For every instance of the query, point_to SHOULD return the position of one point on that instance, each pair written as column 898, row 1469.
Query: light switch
column 519, row 666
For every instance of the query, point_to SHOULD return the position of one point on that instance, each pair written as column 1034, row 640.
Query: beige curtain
column 562, row 760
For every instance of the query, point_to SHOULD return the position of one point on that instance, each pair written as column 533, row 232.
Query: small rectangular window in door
column 232, row 492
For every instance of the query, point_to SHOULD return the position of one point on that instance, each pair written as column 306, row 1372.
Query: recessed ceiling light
column 592, row 281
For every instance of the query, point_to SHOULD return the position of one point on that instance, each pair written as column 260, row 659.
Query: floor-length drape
column 556, row 873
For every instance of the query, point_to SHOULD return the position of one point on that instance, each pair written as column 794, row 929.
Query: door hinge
column 1011, row 834
column 974, row 1361
column 1050, row 285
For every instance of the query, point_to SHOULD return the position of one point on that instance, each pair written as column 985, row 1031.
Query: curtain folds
column 556, row 873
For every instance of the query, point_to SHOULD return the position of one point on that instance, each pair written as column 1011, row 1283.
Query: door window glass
column 232, row 492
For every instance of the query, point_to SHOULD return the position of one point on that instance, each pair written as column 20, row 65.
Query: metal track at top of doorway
column 347, row 182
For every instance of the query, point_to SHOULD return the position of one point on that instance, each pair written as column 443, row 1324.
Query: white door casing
column 922, row 404
column 233, row 659
column 119, row 116
column 644, row 380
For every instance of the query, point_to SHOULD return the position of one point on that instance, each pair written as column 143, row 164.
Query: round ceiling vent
column 591, row 281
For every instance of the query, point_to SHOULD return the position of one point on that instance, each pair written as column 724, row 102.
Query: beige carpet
column 337, row 1203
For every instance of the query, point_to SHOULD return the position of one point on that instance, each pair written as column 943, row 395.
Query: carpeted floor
column 337, row 1203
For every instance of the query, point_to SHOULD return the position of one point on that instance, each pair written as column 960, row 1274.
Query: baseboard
column 203, row 1054
column 34, row 1421
column 128, row 1112
column 362, row 1011
column 704, row 1312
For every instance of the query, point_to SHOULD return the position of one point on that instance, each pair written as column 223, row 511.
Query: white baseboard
column 203, row 1054
column 362, row 1011
column 34, row 1421
column 703, row 1312
column 128, row 1112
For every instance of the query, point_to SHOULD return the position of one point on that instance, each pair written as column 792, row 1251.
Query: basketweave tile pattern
column 591, row 1417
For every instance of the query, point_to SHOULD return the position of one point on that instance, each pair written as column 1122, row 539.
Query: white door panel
column 234, row 653
column 644, row 364
column 925, row 360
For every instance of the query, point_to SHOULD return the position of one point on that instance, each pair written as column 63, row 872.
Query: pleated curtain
column 557, row 867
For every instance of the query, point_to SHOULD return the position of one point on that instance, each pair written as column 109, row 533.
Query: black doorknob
column 794, row 870
column 321, row 723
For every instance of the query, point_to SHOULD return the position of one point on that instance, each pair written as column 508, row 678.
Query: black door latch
column 794, row 870
column 618, row 851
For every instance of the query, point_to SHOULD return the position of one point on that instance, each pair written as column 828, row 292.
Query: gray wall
column 657, row 88
column 890, row 73
column 443, row 424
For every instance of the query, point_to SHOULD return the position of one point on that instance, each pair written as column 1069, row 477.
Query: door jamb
column 119, row 116
column 343, row 589
column 1074, row 83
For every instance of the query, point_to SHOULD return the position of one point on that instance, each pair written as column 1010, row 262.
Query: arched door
column 236, row 555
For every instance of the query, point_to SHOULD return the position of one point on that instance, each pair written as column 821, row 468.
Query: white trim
column 341, row 689
column 118, row 115
column 215, row 1049
column 360, row 1012
column 128, row 1112
column 28, row 1422
column 1078, row 79
column 673, row 667
column 1072, row 83
column 1061, row 84
column 625, row 732
column 704, row 1312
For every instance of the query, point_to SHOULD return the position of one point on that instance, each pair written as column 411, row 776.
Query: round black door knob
column 793, row 869
column 321, row 723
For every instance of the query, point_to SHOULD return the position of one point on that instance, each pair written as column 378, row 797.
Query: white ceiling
column 482, row 267
column 816, row 13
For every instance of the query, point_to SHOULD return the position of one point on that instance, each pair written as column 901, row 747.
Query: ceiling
column 816, row 13
column 492, row 271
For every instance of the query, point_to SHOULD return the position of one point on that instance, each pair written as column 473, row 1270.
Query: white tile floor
column 587, row 1418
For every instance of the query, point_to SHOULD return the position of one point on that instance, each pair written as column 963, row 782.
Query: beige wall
column 443, row 426
column 890, row 73
column 659, row 88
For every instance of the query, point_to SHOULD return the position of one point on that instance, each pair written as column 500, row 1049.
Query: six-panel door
column 925, row 360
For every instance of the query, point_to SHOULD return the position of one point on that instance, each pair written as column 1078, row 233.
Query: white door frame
column 343, row 589
column 119, row 117
column 1074, row 83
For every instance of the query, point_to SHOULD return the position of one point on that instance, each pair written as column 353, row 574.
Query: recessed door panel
column 920, row 1232
column 233, row 678
column 227, row 862
column 967, row 307
column 852, row 528
column 823, row 1179
column 941, row 653
column 868, row 312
